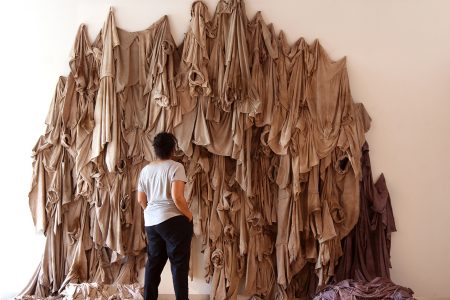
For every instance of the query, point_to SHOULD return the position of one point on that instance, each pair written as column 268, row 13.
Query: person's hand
column 190, row 217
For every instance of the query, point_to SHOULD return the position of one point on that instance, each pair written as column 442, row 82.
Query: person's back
column 168, row 220
column 156, row 181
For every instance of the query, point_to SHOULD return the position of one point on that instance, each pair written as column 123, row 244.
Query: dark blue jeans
column 169, row 239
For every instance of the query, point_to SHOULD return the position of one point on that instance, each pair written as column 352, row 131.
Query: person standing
column 168, row 220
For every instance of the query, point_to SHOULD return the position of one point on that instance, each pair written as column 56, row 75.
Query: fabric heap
column 268, row 132
column 102, row 291
column 82, row 291
column 378, row 288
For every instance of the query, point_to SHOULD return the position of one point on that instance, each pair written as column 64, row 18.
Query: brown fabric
column 268, row 132
column 367, row 247
column 378, row 288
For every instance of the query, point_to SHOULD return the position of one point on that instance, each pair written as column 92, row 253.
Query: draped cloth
column 367, row 247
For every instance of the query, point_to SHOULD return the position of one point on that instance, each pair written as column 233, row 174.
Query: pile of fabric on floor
column 94, row 291
column 379, row 288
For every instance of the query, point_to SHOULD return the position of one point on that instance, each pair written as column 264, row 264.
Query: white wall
column 399, row 67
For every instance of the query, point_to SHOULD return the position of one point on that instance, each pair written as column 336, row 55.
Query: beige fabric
column 102, row 291
column 268, row 132
column 105, row 114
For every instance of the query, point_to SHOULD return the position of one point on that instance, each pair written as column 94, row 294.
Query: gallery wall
column 398, row 55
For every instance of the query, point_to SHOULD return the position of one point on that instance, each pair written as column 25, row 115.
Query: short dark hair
column 164, row 144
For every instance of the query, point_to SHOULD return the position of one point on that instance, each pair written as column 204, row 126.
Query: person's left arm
column 178, row 181
column 179, row 200
column 142, row 199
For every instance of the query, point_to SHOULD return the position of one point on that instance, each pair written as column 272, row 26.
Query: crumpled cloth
column 93, row 291
column 378, row 288
column 103, row 291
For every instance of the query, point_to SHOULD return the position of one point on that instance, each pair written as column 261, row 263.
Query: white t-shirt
column 155, row 181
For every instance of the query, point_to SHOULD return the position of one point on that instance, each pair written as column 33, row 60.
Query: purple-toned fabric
column 378, row 288
column 367, row 247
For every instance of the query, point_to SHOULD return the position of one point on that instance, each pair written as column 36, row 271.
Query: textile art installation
column 269, row 134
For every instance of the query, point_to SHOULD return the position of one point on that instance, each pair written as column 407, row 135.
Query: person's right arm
column 178, row 197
